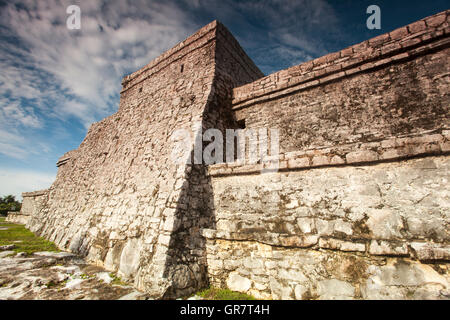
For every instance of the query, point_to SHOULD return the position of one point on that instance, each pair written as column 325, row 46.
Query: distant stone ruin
column 32, row 204
column 359, row 208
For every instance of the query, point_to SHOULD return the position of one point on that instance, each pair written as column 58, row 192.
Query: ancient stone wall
column 17, row 217
column 32, row 204
column 292, row 234
column 360, row 205
column 392, row 85
column 358, row 208
column 120, row 199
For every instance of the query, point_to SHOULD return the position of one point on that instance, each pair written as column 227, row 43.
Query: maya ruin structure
column 359, row 207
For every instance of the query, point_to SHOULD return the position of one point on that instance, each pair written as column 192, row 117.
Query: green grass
column 117, row 280
column 223, row 294
column 29, row 243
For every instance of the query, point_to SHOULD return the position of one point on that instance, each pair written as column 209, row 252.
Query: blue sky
column 55, row 82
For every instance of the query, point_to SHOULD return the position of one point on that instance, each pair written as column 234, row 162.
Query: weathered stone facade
column 32, row 204
column 358, row 209
column 289, row 233
column 119, row 199
column 17, row 217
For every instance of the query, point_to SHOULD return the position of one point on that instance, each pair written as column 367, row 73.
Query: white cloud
column 13, row 112
column 13, row 151
column 10, row 144
column 61, row 69
column 17, row 181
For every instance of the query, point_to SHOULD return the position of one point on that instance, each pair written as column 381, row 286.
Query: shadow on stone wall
column 186, row 266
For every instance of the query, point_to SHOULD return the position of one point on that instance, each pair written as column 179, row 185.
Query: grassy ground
column 23, row 239
column 223, row 294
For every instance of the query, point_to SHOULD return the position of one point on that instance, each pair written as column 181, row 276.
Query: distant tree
column 9, row 203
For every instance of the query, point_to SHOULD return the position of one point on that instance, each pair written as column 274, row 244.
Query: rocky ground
column 55, row 276
column 58, row 276
column 32, row 268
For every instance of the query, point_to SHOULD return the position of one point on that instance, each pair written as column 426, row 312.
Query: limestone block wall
column 17, row 217
column 32, row 204
column 120, row 199
column 389, row 86
column 359, row 207
column 336, row 232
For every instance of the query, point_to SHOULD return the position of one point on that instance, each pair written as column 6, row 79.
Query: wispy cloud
column 14, row 112
column 77, row 74
column 10, row 142
column 292, row 30
column 277, row 33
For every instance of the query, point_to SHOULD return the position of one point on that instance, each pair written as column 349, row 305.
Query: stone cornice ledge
column 17, row 213
column 436, row 142
column 35, row 193
column 62, row 161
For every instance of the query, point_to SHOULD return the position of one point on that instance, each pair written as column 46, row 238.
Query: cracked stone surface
column 57, row 276
column 286, row 236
